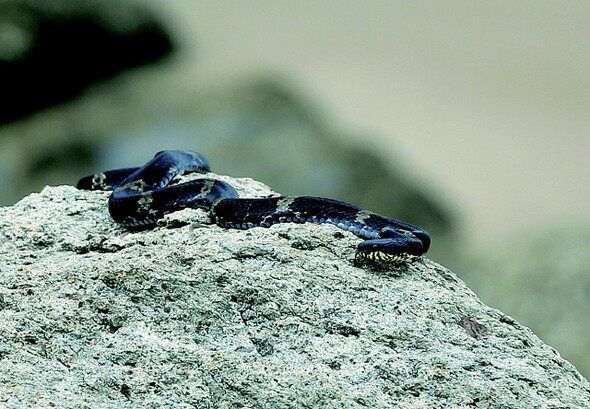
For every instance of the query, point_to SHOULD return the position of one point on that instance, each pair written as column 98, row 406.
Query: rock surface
column 190, row 315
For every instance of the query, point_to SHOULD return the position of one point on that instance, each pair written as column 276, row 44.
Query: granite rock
column 191, row 315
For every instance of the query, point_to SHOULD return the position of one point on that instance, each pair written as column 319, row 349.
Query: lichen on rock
column 189, row 314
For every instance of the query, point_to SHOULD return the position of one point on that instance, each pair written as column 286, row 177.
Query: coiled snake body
column 141, row 196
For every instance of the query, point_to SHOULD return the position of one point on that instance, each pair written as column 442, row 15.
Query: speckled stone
column 191, row 315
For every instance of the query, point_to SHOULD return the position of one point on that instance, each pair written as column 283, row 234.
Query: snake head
column 407, row 230
column 185, row 161
column 388, row 252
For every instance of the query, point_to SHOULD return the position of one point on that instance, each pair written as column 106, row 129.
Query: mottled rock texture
column 190, row 315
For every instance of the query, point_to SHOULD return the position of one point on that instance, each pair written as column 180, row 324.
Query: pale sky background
column 488, row 101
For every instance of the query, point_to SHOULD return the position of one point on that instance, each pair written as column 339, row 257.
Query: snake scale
column 142, row 195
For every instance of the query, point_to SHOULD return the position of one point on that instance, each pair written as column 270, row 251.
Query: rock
column 192, row 315
column 51, row 51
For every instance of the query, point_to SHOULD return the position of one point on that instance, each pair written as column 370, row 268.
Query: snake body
column 142, row 195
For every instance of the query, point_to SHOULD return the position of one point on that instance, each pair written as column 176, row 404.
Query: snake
column 141, row 196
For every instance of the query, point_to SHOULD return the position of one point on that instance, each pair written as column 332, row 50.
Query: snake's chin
column 379, row 260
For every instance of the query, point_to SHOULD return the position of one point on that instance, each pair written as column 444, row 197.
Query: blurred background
column 470, row 119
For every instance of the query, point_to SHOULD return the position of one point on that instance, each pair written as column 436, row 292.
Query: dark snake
column 142, row 195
